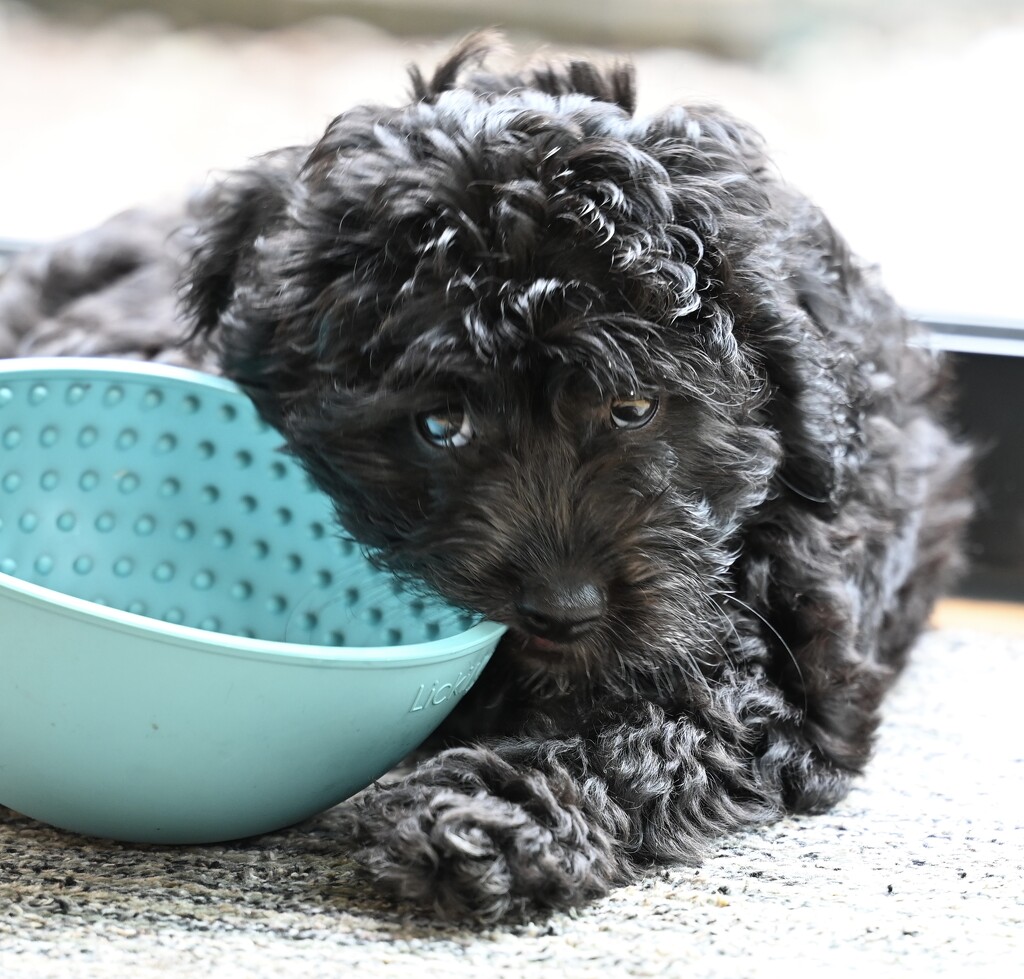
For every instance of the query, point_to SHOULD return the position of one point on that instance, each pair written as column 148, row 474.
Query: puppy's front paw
column 477, row 850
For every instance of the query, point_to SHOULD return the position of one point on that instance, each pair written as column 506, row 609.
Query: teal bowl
column 189, row 652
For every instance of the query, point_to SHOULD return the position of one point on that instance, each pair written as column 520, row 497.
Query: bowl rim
column 123, row 366
column 52, row 600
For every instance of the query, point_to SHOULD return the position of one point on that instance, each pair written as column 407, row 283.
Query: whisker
column 726, row 652
column 775, row 632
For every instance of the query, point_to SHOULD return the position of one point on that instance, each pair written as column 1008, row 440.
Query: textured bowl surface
column 189, row 650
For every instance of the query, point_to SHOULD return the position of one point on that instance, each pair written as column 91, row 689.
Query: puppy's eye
column 446, row 428
column 633, row 412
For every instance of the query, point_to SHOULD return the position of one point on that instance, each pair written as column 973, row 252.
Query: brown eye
column 633, row 412
column 446, row 428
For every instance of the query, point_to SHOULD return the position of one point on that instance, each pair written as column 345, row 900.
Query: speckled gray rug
column 921, row 870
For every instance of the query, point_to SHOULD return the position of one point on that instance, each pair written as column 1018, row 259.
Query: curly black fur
column 704, row 610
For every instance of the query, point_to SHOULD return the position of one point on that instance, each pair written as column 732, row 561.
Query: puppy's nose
column 561, row 612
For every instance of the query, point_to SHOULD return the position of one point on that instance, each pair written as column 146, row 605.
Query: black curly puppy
column 610, row 381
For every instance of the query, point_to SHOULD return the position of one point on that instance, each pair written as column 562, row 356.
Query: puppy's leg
column 533, row 823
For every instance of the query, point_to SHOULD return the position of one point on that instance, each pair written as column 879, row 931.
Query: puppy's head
column 501, row 327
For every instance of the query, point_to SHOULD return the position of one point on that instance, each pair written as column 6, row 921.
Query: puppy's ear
column 808, row 351
column 790, row 294
column 227, row 219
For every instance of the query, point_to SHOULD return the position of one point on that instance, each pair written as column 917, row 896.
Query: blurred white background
column 901, row 118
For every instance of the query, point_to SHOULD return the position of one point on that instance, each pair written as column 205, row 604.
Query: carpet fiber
column 920, row 869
